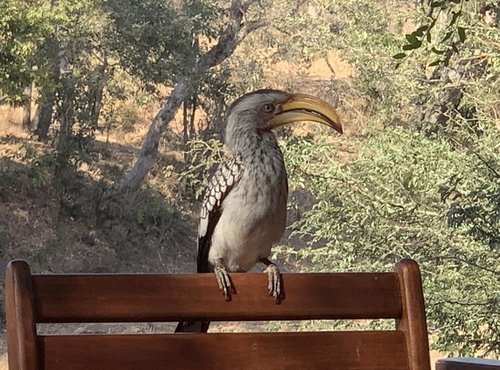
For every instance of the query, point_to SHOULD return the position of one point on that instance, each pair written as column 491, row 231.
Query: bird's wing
column 228, row 173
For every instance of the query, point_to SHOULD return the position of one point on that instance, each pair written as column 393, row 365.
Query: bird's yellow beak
column 302, row 107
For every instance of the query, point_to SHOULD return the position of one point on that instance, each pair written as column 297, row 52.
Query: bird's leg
column 274, row 276
column 223, row 279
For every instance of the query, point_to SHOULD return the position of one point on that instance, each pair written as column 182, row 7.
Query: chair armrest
column 467, row 363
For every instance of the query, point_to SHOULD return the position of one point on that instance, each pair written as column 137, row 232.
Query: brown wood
column 168, row 297
column 32, row 299
column 242, row 351
column 21, row 328
column 413, row 322
column 467, row 364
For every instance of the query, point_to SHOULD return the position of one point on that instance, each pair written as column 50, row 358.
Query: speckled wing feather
column 228, row 174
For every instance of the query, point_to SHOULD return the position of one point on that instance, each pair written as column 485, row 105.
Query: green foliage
column 140, row 226
column 391, row 202
column 444, row 28
column 148, row 38
column 366, row 40
column 155, row 40
column 204, row 157
column 452, row 11
column 22, row 30
column 293, row 31
column 305, row 25
column 478, row 212
column 125, row 117
column 39, row 166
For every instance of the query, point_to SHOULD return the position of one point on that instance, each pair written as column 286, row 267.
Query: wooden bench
column 32, row 299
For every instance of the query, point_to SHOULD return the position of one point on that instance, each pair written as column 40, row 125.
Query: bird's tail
column 192, row 327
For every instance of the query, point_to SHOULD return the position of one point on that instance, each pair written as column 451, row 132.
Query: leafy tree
column 22, row 26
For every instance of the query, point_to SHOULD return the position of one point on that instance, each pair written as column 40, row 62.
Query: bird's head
column 263, row 110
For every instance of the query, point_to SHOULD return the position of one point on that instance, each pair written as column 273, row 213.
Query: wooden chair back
column 96, row 298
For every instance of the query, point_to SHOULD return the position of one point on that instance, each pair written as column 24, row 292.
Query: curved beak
column 302, row 107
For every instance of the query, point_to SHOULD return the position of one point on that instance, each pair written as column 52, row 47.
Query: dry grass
column 10, row 121
column 3, row 362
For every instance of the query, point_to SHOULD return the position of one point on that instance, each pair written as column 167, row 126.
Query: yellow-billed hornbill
column 244, row 210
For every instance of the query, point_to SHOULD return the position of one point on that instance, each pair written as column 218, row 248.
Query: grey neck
column 246, row 141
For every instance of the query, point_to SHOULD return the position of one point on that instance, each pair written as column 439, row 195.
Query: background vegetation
column 416, row 175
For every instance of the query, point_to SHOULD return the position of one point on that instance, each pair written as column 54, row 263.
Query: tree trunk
column 234, row 33
column 194, row 106
column 185, row 131
column 45, row 110
column 27, row 107
column 96, row 103
column 149, row 151
column 65, row 115
column 65, row 134
column 185, row 125
column 188, row 116
column 43, row 116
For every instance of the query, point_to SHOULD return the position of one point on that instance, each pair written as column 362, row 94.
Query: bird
column 243, row 212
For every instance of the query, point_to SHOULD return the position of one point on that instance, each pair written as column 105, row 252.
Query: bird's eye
column 268, row 108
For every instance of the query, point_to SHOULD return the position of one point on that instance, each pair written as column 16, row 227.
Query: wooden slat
column 242, row 351
column 21, row 328
column 463, row 363
column 413, row 322
column 168, row 297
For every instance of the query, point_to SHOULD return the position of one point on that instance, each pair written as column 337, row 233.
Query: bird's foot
column 224, row 280
column 274, row 278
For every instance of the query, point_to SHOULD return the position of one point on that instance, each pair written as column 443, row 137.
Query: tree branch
column 228, row 41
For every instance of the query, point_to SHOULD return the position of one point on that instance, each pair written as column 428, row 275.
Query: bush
column 406, row 195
